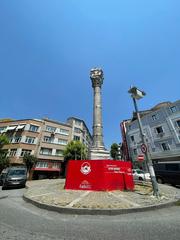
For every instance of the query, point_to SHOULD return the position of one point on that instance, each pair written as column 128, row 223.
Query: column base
column 98, row 153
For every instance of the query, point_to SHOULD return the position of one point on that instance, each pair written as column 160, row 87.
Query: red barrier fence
column 99, row 175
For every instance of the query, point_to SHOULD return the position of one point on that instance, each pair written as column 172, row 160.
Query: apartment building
column 80, row 131
column 46, row 139
column 161, row 126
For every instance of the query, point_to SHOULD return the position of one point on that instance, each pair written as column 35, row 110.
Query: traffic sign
column 140, row 157
column 143, row 148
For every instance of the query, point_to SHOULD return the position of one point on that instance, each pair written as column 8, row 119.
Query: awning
column 20, row 127
column 10, row 128
column 47, row 169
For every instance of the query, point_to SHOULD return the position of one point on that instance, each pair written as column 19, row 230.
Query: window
column 159, row 130
column 30, row 140
column 42, row 165
column 48, row 139
column 76, row 138
column 132, row 138
column 46, row 151
column 2, row 129
column 173, row 109
column 178, row 123
column 25, row 152
column 33, row 128
column 50, row 129
column 55, row 165
column 16, row 172
column 165, row 146
column 62, row 141
column 17, row 139
column 172, row 167
column 64, row 132
column 12, row 152
column 59, row 152
column 77, row 130
column 154, row 117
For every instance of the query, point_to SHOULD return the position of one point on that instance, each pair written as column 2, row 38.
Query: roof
column 57, row 122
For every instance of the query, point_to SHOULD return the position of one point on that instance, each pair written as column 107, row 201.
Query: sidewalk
column 50, row 194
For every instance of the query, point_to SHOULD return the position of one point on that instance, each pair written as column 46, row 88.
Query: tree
column 114, row 151
column 6, row 119
column 4, row 160
column 29, row 161
column 3, row 141
column 75, row 150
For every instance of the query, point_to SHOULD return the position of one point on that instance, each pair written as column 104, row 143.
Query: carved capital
column 96, row 75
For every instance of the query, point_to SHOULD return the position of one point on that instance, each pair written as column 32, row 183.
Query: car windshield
column 17, row 172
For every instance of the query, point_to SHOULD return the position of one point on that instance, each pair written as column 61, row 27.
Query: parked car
column 140, row 175
column 15, row 176
column 167, row 172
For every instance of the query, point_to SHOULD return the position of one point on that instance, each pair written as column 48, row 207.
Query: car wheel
column 160, row 180
column 4, row 187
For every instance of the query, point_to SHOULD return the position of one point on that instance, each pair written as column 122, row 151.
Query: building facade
column 161, row 126
column 44, row 138
column 80, row 131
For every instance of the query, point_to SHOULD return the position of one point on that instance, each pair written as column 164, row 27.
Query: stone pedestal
column 97, row 150
column 100, row 154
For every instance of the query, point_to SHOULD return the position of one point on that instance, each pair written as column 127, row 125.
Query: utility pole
column 138, row 94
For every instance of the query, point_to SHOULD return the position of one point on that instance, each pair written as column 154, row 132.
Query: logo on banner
column 85, row 168
column 85, row 185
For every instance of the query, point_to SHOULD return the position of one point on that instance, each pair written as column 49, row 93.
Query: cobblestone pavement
column 52, row 192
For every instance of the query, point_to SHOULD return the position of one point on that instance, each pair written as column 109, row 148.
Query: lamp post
column 138, row 94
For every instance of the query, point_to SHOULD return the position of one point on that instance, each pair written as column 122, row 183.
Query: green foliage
column 114, row 151
column 29, row 161
column 6, row 119
column 4, row 160
column 75, row 150
column 3, row 141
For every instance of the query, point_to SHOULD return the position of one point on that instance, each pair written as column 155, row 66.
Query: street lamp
column 138, row 94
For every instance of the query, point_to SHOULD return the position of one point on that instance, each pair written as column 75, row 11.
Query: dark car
column 15, row 177
column 167, row 172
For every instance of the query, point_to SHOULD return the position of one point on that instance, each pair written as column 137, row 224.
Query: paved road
column 22, row 221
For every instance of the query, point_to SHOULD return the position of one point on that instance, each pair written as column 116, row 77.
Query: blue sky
column 47, row 49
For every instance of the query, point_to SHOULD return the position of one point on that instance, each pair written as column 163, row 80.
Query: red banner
column 99, row 175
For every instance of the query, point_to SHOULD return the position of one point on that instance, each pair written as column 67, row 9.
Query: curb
column 3, row 197
column 88, row 211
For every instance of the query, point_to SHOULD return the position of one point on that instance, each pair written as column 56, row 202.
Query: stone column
column 98, row 150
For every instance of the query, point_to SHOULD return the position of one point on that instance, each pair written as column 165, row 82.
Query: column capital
column 96, row 75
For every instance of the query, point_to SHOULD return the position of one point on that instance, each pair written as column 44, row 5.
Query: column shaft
column 97, row 119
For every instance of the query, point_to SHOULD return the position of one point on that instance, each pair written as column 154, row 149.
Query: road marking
column 121, row 197
column 78, row 199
